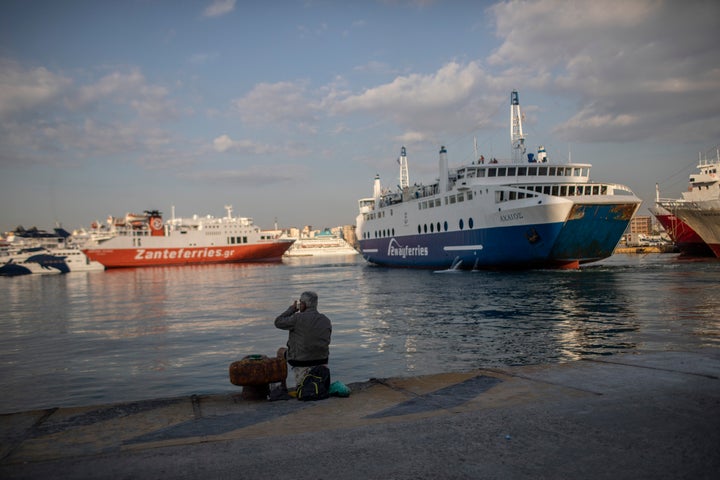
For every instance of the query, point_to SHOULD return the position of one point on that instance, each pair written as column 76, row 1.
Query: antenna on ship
column 229, row 211
column 517, row 139
column 404, row 175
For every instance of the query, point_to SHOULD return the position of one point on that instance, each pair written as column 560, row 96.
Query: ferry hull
column 523, row 246
column 592, row 231
column 685, row 238
column 163, row 256
column 704, row 218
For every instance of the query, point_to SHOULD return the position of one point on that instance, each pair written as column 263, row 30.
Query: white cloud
column 635, row 68
column 25, row 90
column 277, row 103
column 224, row 144
column 219, row 8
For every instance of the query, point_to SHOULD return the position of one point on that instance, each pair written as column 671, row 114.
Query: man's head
column 310, row 299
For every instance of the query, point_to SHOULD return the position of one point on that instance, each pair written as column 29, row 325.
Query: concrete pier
column 630, row 416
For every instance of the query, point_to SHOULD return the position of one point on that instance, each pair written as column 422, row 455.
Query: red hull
column 686, row 239
column 153, row 257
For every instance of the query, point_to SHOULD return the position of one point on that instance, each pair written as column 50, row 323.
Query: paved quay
column 650, row 415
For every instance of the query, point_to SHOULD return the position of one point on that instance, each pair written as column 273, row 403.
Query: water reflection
column 129, row 334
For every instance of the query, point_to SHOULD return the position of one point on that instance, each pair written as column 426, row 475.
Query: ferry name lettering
column 395, row 250
column 143, row 254
column 511, row 216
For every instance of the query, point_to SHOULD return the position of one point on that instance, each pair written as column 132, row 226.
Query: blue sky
column 287, row 109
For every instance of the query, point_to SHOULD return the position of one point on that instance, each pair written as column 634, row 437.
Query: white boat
column 15, row 266
column 699, row 207
column 324, row 243
column 520, row 213
column 183, row 241
column 52, row 252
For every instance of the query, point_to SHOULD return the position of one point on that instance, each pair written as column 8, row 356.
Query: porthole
column 432, row 228
column 470, row 223
column 445, row 226
column 419, row 229
column 425, row 228
column 461, row 224
column 438, row 226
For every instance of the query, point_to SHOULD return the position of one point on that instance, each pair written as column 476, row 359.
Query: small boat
column 13, row 268
column 322, row 244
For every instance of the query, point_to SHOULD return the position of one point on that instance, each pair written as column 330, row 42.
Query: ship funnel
column 443, row 171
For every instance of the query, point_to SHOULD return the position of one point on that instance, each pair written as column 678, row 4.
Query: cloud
column 225, row 144
column 24, row 90
column 277, row 103
column 219, row 8
column 634, row 68
column 48, row 118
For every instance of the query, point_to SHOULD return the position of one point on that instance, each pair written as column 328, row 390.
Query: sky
column 286, row 110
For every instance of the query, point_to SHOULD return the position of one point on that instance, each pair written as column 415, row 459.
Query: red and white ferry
column 145, row 240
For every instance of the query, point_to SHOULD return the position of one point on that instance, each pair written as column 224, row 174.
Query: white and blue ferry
column 526, row 212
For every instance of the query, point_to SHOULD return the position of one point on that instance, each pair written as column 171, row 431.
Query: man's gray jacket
column 309, row 339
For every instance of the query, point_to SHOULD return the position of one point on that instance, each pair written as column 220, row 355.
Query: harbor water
column 133, row 334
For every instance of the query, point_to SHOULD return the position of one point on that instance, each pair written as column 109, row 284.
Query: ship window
column 432, row 228
column 511, row 171
column 596, row 190
column 532, row 171
column 492, row 172
column 461, row 224
column 555, row 190
column 513, row 196
column 501, row 172
column 445, row 225
column 425, row 228
column 546, row 190
column 419, row 229
column 438, row 226
column 244, row 239
column 542, row 171
column 438, row 202
column 452, row 198
column 571, row 190
column 552, row 171
column 470, row 222
column 460, row 197
column 469, row 195
column 522, row 171
column 481, row 173
column 393, row 231
column 603, row 190
column 563, row 191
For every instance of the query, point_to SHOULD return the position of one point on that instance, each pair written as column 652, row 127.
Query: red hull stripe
column 147, row 257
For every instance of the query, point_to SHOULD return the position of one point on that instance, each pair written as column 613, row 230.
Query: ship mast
column 517, row 139
column 404, row 175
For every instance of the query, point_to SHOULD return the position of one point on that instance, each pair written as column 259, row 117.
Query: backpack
column 315, row 385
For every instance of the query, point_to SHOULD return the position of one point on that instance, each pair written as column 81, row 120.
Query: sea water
column 133, row 334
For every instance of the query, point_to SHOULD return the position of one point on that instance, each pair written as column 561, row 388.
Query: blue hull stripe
column 521, row 246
